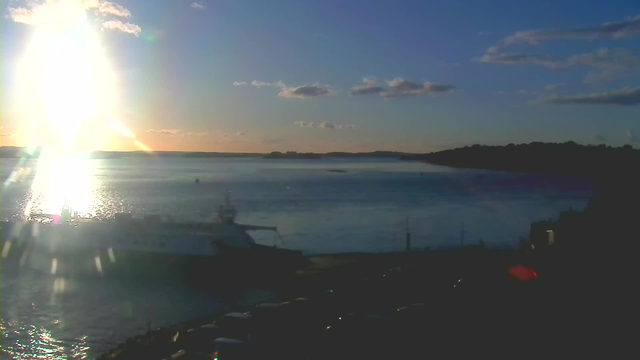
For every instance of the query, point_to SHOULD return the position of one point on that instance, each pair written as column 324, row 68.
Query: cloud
column 188, row 133
column 627, row 96
column 369, row 87
column 326, row 125
column 66, row 14
column 21, row 15
column 500, row 92
column 518, row 59
column 554, row 87
column 197, row 6
column 239, row 83
column 114, row 9
column 241, row 133
column 610, row 62
column 400, row 87
column 631, row 137
column 369, row 80
column 305, row 124
column 172, row 132
column 5, row 134
column 304, row 91
column 258, row 84
column 128, row 28
column 366, row 90
column 526, row 92
column 609, row 59
column 625, row 28
column 299, row 92
column 599, row 138
column 50, row 13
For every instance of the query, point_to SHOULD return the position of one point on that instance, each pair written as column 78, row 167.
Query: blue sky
column 347, row 75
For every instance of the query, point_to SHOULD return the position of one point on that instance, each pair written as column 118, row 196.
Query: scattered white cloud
column 599, row 138
column 114, row 9
column 241, row 133
column 65, row 14
column 197, row 6
column 518, row 59
column 305, row 124
column 128, row 28
column 326, row 125
column 625, row 28
column 369, row 80
column 172, row 132
column 366, row 90
column 369, row 86
column 239, row 83
column 400, row 87
column 193, row 134
column 627, row 96
column 304, row 91
column 258, row 84
column 5, row 134
column 49, row 13
column 610, row 62
column 631, row 137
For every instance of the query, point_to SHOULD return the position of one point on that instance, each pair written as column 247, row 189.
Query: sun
column 65, row 84
column 67, row 94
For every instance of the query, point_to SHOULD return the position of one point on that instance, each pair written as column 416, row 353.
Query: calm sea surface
column 315, row 210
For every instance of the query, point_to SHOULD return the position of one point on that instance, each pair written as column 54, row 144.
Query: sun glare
column 66, row 84
column 67, row 95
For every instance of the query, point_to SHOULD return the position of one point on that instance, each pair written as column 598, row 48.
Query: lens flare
column 67, row 100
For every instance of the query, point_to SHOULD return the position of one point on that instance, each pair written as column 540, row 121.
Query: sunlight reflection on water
column 57, row 181
column 63, row 182
column 37, row 343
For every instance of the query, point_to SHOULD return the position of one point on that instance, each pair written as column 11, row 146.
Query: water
column 316, row 211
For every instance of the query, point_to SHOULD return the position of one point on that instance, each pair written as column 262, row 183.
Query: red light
column 522, row 273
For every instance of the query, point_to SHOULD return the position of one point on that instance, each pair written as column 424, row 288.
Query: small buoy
column 197, row 181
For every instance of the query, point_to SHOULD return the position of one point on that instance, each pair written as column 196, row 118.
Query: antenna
column 280, row 236
column 408, row 236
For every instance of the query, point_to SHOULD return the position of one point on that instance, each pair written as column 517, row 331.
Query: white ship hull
column 111, row 248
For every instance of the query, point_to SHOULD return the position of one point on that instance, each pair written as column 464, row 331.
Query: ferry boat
column 66, row 244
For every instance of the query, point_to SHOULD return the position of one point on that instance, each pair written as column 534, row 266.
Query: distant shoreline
column 18, row 152
column 567, row 158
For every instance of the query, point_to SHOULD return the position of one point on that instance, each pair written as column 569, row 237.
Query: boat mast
column 408, row 236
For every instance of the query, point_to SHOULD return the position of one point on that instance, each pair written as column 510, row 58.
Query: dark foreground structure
column 565, row 295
